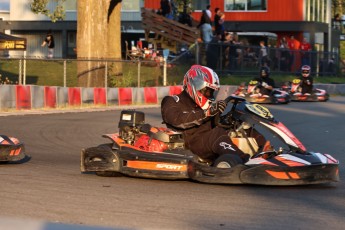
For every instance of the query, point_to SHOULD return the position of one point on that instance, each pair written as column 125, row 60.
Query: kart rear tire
column 227, row 161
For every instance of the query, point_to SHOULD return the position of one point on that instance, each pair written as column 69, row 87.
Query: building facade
column 16, row 18
column 299, row 18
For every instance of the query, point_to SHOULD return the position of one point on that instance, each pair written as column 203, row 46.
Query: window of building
column 245, row 5
column 4, row 5
column 200, row 5
column 133, row 5
column 316, row 11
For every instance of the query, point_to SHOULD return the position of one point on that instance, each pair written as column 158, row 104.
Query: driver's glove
column 215, row 108
column 264, row 84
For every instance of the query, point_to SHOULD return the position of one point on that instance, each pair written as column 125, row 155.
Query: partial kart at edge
column 12, row 150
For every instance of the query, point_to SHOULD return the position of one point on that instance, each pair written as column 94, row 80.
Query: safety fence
column 38, row 97
column 27, row 97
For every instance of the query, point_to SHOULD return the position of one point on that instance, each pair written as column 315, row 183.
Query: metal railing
column 238, row 60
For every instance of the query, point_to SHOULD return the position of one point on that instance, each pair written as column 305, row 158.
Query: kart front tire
column 227, row 161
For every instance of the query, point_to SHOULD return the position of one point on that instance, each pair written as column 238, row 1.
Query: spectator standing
column 231, row 52
column 343, row 20
column 219, row 22
column 263, row 54
column 205, row 27
column 213, row 52
column 293, row 46
column 337, row 22
column 209, row 13
column 49, row 41
column 166, row 8
column 284, row 54
column 305, row 52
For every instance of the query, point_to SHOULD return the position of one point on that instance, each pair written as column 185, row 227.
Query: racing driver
column 267, row 83
column 192, row 111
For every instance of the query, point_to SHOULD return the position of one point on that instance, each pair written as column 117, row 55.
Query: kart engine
column 134, row 131
column 129, row 125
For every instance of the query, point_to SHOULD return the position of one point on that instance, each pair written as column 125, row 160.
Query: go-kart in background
column 38, row 97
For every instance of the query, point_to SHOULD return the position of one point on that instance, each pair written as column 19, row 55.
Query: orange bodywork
column 149, row 165
column 283, row 175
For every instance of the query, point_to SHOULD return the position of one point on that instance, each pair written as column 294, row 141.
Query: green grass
column 51, row 73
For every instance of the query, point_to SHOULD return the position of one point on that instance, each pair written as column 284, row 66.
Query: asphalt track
column 49, row 192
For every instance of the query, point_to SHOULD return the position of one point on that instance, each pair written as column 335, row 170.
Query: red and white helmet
column 201, row 82
column 305, row 71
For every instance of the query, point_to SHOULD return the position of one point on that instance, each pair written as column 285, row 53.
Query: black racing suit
column 268, row 81
column 307, row 85
column 181, row 113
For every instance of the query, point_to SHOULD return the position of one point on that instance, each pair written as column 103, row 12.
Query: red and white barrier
column 50, row 97
column 23, row 97
column 36, row 97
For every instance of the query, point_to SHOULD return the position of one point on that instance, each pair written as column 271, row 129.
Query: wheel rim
column 224, row 165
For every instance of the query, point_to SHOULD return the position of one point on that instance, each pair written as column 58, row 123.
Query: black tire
column 105, row 158
column 227, row 161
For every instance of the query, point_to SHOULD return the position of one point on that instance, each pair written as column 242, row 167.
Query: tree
column 98, row 37
column 337, row 6
column 40, row 7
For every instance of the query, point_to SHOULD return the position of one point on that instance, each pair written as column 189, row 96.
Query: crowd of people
column 226, row 51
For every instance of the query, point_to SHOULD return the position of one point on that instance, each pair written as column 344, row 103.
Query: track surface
column 51, row 188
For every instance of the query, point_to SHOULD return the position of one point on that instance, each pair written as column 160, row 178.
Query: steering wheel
column 235, row 100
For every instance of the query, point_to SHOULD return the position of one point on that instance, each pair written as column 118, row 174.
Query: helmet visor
column 208, row 93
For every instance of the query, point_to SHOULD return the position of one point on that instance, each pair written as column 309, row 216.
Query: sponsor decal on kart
column 153, row 165
column 259, row 110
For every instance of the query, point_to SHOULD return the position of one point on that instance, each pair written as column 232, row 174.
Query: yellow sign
column 12, row 45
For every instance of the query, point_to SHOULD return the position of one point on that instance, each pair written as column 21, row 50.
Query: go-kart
column 140, row 150
column 252, row 94
column 11, row 149
column 295, row 90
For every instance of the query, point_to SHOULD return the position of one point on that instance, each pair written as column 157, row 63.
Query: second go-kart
column 140, row 150
column 295, row 91
column 11, row 149
column 252, row 94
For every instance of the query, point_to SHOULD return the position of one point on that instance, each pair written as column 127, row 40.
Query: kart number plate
column 126, row 117
column 296, row 81
column 259, row 110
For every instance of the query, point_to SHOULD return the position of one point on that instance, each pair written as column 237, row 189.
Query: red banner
column 99, row 96
column 74, row 96
column 23, row 97
column 50, row 97
column 174, row 90
column 150, row 95
column 125, row 96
